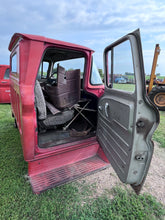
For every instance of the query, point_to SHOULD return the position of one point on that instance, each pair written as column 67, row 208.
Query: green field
column 74, row 201
column 158, row 77
column 125, row 87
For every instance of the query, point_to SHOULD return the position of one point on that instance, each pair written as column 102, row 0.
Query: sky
column 91, row 23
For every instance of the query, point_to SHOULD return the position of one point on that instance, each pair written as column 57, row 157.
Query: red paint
column 4, row 84
column 29, row 50
column 62, row 159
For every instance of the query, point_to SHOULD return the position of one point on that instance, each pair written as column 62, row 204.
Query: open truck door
column 126, row 118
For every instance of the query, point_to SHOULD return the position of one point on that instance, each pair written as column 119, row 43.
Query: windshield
column 95, row 75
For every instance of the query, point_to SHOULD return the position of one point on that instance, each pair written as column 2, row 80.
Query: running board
column 55, row 177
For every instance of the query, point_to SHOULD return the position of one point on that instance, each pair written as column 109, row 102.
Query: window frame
column 91, row 75
column 110, row 68
column 15, row 53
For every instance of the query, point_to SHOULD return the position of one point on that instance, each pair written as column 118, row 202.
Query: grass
column 159, row 135
column 125, row 87
column 74, row 201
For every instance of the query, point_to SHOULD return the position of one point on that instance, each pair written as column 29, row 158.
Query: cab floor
column 57, row 137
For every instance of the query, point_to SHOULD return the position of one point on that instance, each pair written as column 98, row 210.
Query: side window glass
column 95, row 75
column 120, row 68
column 54, row 72
column 6, row 76
column 14, row 63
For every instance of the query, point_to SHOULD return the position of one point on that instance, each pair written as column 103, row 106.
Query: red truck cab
column 4, row 84
column 70, row 123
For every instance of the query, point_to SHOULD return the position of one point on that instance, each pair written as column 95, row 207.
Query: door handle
column 106, row 109
column 3, row 82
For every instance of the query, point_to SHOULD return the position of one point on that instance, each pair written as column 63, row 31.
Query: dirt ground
column 154, row 184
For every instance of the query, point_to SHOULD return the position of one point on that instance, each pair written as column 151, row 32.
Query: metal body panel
column 4, row 84
column 115, row 131
column 126, row 122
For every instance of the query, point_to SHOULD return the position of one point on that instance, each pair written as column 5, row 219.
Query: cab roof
column 18, row 36
column 4, row 65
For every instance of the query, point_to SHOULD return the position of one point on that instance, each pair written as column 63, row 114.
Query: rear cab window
column 43, row 70
column 68, row 59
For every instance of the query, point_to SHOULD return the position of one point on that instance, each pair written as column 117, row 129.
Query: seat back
column 66, row 92
column 40, row 103
column 49, row 121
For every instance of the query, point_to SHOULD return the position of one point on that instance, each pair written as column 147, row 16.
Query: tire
column 157, row 96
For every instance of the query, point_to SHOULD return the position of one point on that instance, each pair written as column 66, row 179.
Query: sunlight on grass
column 124, row 87
column 72, row 201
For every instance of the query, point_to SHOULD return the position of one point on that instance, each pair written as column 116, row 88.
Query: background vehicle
column 156, row 88
column 69, row 122
column 120, row 80
column 4, row 84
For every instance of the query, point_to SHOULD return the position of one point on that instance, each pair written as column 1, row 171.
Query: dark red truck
column 70, row 123
column 4, row 84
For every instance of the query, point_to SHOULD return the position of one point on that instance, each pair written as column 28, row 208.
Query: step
column 46, row 180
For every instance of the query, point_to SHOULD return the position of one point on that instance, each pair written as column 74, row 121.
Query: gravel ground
column 154, row 184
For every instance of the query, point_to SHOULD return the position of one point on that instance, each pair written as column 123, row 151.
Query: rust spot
column 138, row 188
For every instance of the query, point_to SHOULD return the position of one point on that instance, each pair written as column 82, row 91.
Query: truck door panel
column 126, row 118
